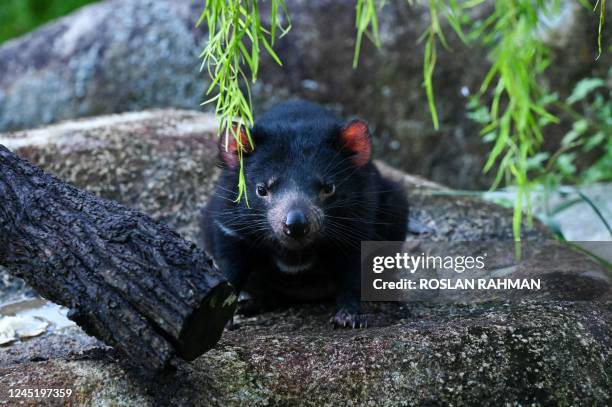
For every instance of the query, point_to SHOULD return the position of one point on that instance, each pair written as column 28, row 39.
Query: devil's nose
column 296, row 224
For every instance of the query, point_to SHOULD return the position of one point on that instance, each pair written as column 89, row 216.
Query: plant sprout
column 236, row 36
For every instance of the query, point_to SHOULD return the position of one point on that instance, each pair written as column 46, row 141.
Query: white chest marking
column 292, row 268
column 225, row 229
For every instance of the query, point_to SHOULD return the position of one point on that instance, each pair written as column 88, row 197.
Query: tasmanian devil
column 313, row 196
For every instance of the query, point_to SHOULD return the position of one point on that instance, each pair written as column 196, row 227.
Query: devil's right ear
column 231, row 142
column 355, row 138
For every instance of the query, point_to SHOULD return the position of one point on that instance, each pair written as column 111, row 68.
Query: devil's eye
column 261, row 190
column 328, row 189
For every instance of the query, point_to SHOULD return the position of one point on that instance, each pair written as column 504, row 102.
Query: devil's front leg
column 230, row 257
column 348, row 300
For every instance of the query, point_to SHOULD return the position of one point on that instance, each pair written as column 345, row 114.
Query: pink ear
column 228, row 145
column 355, row 137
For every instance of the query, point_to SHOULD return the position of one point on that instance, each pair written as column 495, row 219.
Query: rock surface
column 120, row 55
column 162, row 162
column 550, row 353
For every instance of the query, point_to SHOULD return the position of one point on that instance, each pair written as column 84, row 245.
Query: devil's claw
column 347, row 319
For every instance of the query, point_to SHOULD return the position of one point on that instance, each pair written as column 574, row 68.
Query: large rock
column 555, row 351
column 123, row 55
column 113, row 56
column 545, row 354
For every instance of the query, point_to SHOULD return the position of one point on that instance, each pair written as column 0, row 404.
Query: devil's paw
column 348, row 319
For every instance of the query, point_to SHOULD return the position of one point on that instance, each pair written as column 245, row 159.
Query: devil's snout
column 296, row 224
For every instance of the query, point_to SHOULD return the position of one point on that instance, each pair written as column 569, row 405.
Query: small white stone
column 13, row 328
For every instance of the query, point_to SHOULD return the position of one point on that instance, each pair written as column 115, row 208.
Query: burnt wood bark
column 127, row 279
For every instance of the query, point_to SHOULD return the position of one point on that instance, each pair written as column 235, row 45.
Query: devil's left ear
column 229, row 146
column 355, row 138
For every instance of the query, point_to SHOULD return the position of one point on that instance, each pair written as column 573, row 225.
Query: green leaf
column 594, row 141
column 569, row 138
column 537, row 160
column 565, row 164
column 580, row 126
column 480, row 115
column 583, row 88
column 489, row 137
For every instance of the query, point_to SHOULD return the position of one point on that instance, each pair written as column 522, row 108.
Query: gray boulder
column 534, row 354
column 550, row 351
column 108, row 57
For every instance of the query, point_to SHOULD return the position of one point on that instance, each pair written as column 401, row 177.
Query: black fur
column 298, row 145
